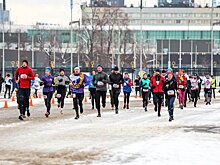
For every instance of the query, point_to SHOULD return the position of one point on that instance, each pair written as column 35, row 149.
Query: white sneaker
column 61, row 111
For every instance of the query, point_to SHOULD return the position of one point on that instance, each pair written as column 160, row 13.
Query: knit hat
column 170, row 69
column 25, row 61
column 47, row 69
column 76, row 68
column 62, row 70
column 99, row 65
column 116, row 68
column 157, row 70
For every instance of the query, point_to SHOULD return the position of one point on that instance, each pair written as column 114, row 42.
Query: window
column 178, row 21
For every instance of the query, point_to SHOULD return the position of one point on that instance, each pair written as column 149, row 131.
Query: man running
column 23, row 77
column 115, row 80
column 156, row 84
column 100, row 80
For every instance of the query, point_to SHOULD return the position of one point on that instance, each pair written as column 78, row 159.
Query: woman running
column 61, row 82
column 92, row 89
column 127, row 90
column 194, row 88
column 170, row 87
column 48, row 90
column 181, row 84
column 145, row 84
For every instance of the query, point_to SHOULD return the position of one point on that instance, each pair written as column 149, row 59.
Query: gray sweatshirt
column 62, row 81
column 100, row 80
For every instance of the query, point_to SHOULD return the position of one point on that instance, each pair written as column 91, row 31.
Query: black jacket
column 116, row 79
column 170, row 85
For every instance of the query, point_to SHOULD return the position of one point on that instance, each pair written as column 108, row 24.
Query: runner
column 137, row 85
column 61, row 82
column 156, row 84
column 92, row 89
column 181, row 85
column 127, row 90
column 100, row 80
column 48, row 89
column 213, row 85
column 145, row 84
column 170, row 87
column 1, row 82
column 208, row 88
column 8, row 82
column 194, row 88
column 115, row 80
column 36, row 84
column 78, row 81
column 23, row 77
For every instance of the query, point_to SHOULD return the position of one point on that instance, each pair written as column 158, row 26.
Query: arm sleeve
column 31, row 75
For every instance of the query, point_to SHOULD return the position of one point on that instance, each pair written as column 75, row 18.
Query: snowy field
column 132, row 137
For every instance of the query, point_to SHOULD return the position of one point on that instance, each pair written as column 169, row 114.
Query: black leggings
column 47, row 99
column 92, row 93
column 62, row 93
column 23, row 100
column 98, row 95
column 158, row 99
column 126, row 97
column 78, row 100
column 194, row 95
column 115, row 95
column 145, row 96
column 8, row 89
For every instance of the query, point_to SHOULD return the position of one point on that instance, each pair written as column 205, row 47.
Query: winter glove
column 60, row 80
column 41, row 83
column 67, row 82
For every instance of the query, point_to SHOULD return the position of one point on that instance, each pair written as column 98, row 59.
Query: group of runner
column 164, row 86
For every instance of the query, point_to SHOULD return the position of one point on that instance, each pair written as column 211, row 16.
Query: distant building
column 104, row 3
column 175, row 3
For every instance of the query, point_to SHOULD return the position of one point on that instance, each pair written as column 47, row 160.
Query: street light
column 141, row 7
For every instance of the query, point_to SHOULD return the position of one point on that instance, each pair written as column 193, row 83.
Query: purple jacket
column 75, row 79
column 48, row 82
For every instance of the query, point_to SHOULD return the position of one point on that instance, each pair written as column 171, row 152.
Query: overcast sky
column 48, row 11
column 29, row 12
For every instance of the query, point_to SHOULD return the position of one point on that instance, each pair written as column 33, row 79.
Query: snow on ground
column 131, row 137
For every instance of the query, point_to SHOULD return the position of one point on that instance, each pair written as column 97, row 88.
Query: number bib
column 45, row 96
column 58, row 95
column 115, row 86
column 170, row 92
column 74, row 95
column 145, row 90
column 181, row 86
column 100, row 83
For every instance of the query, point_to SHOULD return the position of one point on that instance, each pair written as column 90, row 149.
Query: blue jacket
column 90, row 82
column 127, row 85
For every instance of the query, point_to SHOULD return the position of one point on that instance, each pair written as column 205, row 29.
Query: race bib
column 110, row 87
column 157, row 82
column 181, row 86
column 74, row 95
column 145, row 90
column 115, row 86
column 125, row 84
column 36, row 86
column 45, row 96
column 170, row 92
column 100, row 83
column 193, row 88
column 58, row 95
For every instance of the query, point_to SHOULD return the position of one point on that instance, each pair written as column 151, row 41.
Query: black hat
column 157, row 70
column 116, row 68
column 163, row 71
column 195, row 74
column 61, row 69
column 25, row 61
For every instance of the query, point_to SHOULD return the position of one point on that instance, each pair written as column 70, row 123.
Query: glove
column 60, row 80
column 67, row 82
column 153, row 87
column 41, row 83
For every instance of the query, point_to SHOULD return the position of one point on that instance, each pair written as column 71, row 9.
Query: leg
column 49, row 97
column 103, row 94
column 128, row 97
column 144, row 98
column 155, row 100
column 80, row 98
column 97, row 101
column 111, row 97
column 117, row 93
column 160, row 100
column 63, row 94
column 76, row 107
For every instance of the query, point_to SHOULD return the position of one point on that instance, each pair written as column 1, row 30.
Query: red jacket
column 24, row 83
column 157, row 86
column 181, row 82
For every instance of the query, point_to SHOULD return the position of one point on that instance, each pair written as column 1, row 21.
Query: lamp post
column 71, row 36
column 141, row 52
